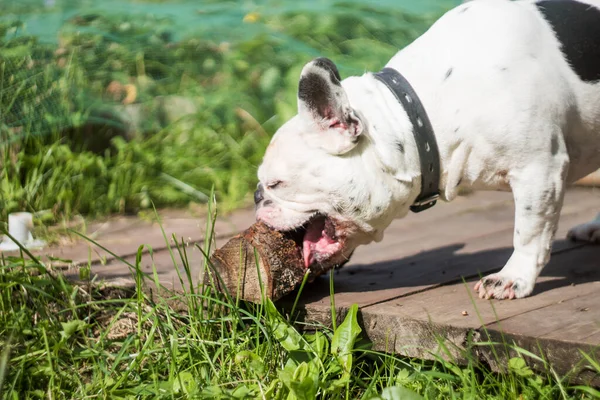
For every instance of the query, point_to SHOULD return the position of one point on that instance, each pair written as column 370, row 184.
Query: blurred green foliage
column 118, row 114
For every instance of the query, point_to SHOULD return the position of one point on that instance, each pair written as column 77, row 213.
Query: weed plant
column 117, row 112
column 60, row 340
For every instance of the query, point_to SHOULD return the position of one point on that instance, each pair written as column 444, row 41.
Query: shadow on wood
column 411, row 305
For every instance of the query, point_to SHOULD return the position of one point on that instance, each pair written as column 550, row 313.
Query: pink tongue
column 316, row 242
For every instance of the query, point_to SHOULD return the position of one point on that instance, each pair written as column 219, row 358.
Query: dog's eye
column 273, row 185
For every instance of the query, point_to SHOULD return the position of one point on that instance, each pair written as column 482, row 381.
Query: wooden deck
column 410, row 286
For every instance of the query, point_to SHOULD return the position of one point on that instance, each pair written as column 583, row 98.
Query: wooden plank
column 417, row 325
column 404, row 270
column 123, row 234
column 125, row 241
column 451, row 253
column 116, row 272
column 572, row 320
column 557, row 334
column 397, row 282
column 570, row 274
column 560, row 357
column 444, row 305
column 415, row 229
column 449, row 256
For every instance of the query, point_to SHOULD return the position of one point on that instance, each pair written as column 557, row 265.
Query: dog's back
column 508, row 70
column 576, row 26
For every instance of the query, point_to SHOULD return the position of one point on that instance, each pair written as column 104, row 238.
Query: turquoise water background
column 221, row 20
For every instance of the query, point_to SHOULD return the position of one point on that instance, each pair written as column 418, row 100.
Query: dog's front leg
column 538, row 194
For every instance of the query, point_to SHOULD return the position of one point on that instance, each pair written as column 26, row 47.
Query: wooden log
column 259, row 260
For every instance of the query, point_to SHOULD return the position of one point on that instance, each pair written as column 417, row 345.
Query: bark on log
column 259, row 260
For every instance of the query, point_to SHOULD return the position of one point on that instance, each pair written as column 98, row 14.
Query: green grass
column 59, row 340
column 201, row 112
column 67, row 148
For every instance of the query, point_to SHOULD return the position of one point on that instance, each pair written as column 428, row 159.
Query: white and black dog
column 511, row 91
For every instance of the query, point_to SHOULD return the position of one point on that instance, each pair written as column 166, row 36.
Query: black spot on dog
column 378, row 209
column 527, row 208
column 465, row 8
column 577, row 27
column 326, row 63
column 314, row 91
column 518, row 232
column 352, row 199
column 267, row 203
column 448, row 73
column 456, row 129
column 400, row 147
column 503, row 69
column 554, row 145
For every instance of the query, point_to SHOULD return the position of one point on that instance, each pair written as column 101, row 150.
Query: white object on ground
column 19, row 227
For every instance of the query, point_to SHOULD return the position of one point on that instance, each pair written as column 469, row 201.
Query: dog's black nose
column 259, row 194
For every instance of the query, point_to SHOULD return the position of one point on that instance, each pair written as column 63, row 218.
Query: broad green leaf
column 519, row 367
column 286, row 375
column 403, row 376
column 242, row 392
column 305, row 382
column 345, row 337
column 270, row 391
column 285, row 334
column 399, row 393
column 319, row 344
column 253, row 361
column 69, row 328
column 184, row 383
column 212, row 392
column 302, row 381
column 338, row 383
column 301, row 372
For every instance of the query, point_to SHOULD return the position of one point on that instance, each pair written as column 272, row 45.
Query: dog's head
column 322, row 178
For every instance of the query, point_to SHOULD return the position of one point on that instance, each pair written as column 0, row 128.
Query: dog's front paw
column 588, row 232
column 499, row 286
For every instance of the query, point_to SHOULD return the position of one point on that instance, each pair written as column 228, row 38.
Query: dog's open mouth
column 317, row 240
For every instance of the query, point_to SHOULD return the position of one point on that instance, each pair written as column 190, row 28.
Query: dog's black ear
column 322, row 98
